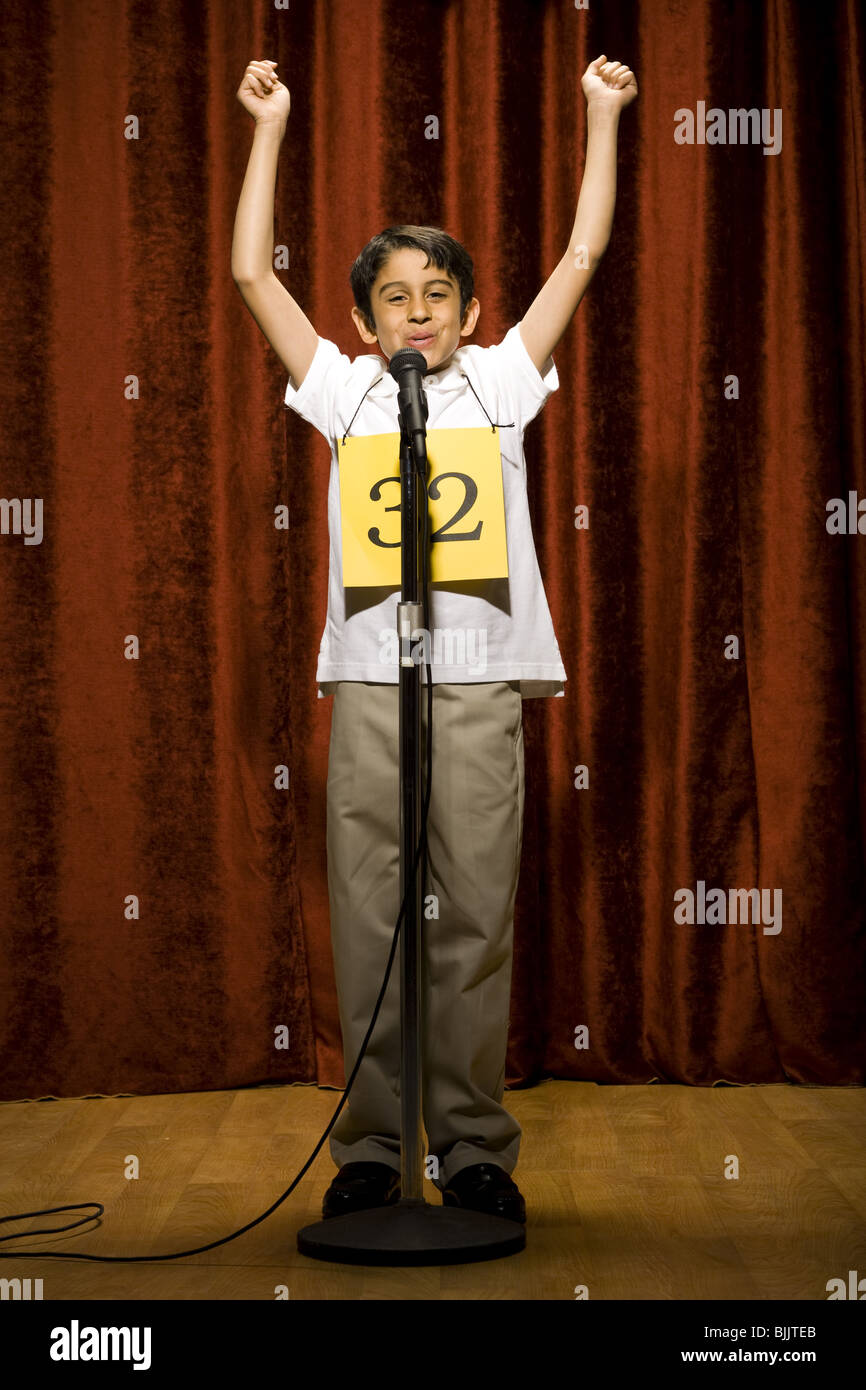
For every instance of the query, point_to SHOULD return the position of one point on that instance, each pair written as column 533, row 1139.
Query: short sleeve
column 522, row 389
column 315, row 400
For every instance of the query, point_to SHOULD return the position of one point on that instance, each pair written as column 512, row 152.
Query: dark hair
column 442, row 251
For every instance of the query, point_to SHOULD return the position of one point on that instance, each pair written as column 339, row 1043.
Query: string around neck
column 493, row 425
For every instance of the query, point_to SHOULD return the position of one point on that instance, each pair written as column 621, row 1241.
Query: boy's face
column 416, row 307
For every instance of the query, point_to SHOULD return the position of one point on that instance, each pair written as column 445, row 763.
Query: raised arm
column 280, row 317
column 608, row 87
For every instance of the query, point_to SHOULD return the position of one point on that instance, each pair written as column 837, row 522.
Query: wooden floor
column 625, row 1190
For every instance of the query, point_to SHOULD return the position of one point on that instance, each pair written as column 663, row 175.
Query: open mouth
column 422, row 340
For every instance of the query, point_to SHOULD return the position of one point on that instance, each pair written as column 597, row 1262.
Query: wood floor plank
column 794, row 1229
column 625, row 1189
column 851, row 1182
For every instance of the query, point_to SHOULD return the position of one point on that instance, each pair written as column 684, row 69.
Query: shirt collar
column 449, row 379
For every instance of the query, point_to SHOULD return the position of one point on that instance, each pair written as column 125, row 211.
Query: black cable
column 421, row 847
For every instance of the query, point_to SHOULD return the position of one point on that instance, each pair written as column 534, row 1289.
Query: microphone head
column 407, row 359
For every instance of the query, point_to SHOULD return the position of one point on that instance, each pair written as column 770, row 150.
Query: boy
column 413, row 286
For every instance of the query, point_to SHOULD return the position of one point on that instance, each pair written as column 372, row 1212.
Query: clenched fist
column 262, row 93
column 609, row 84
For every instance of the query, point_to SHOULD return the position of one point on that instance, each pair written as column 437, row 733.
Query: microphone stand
column 414, row 1231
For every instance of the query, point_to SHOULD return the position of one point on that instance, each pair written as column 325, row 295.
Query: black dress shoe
column 485, row 1187
column 361, row 1185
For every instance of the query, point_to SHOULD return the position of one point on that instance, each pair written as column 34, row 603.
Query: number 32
column 470, row 496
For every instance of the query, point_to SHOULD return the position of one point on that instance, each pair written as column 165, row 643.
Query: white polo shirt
column 507, row 622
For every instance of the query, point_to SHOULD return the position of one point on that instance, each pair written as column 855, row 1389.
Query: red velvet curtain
column 159, row 637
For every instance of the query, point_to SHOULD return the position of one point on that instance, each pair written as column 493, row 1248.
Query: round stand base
column 412, row 1233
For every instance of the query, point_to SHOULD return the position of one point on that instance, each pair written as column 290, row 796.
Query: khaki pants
column 474, row 834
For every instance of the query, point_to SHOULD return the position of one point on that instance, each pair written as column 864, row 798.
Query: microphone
column 407, row 366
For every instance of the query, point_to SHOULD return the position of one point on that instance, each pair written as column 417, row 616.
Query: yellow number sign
column 466, row 505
